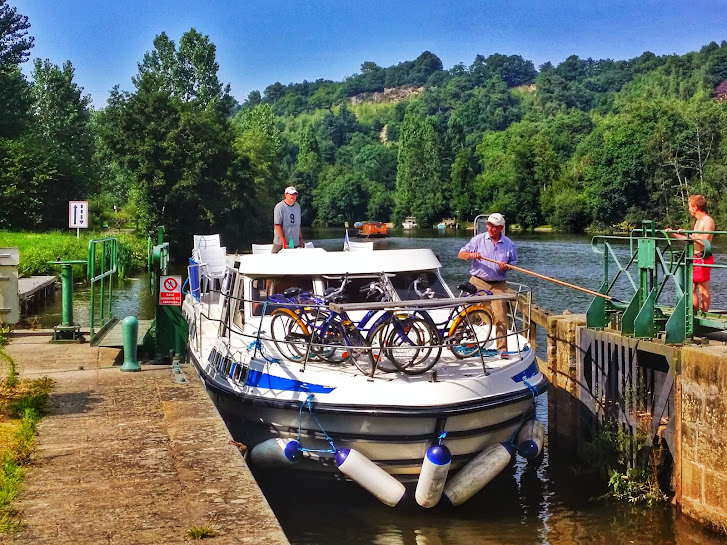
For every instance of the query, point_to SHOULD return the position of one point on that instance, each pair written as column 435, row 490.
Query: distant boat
column 447, row 223
column 371, row 229
column 410, row 223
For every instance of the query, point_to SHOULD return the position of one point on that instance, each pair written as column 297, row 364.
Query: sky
column 260, row 42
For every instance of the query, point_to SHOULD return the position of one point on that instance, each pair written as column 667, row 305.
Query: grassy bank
column 37, row 249
column 22, row 403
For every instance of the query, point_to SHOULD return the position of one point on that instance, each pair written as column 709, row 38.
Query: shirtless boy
column 700, row 275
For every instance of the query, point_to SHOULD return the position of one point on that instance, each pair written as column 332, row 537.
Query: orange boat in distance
column 372, row 229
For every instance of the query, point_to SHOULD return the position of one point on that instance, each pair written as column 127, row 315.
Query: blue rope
column 257, row 344
column 441, row 437
column 331, row 450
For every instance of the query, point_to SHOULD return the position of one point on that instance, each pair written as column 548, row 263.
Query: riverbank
column 131, row 457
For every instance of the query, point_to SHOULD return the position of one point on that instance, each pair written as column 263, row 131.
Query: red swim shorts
column 701, row 274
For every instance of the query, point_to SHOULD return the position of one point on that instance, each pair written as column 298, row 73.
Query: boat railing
column 518, row 304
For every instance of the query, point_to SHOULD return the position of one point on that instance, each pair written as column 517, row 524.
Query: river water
column 548, row 505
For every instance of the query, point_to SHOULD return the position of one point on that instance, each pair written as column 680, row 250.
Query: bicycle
column 404, row 340
column 465, row 331
column 313, row 330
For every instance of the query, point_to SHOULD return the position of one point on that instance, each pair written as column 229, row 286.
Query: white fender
column 276, row 453
column 369, row 476
column 433, row 475
column 530, row 439
column 477, row 473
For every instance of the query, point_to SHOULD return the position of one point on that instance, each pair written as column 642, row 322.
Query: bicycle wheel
column 414, row 345
column 290, row 334
column 378, row 340
column 470, row 331
column 358, row 350
column 330, row 346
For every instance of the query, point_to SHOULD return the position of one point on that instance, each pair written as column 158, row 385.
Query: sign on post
column 170, row 290
column 78, row 215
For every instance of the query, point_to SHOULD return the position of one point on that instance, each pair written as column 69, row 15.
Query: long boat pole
column 549, row 279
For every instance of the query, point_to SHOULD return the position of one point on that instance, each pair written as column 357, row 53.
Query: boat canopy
column 319, row 262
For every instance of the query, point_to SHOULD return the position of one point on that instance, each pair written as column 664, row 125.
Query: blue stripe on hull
column 259, row 379
column 531, row 371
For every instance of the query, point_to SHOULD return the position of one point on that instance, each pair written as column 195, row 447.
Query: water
column 548, row 505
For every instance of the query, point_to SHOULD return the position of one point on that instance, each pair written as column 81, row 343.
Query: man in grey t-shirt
column 286, row 220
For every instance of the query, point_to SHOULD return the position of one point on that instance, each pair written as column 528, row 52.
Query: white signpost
column 78, row 215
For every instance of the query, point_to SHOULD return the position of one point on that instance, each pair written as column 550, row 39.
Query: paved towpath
column 131, row 458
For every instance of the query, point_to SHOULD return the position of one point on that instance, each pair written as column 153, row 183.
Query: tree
column 188, row 73
column 14, row 102
column 419, row 182
column 259, row 142
column 180, row 154
column 15, row 43
column 339, row 197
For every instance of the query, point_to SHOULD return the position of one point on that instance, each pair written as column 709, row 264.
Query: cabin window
column 264, row 288
column 408, row 283
column 239, row 374
column 226, row 365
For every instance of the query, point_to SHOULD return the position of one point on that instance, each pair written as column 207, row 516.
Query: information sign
column 78, row 214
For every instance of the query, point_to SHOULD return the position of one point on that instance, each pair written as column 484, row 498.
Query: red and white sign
column 170, row 290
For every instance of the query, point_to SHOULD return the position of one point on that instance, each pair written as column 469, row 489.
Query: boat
column 410, row 222
column 371, row 229
column 323, row 416
column 447, row 223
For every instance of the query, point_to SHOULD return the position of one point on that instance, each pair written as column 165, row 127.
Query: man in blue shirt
column 491, row 276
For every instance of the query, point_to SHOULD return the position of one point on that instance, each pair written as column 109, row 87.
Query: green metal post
column 67, row 290
column 130, row 331
column 91, row 273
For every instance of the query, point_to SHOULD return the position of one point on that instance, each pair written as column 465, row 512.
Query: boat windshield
column 412, row 285
column 263, row 288
column 355, row 290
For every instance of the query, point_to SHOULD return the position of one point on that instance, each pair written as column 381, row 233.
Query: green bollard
column 129, row 332
column 67, row 290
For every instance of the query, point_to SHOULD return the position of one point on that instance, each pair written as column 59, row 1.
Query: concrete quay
column 131, row 458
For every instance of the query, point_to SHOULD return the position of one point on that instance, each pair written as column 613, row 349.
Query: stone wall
column 565, row 410
column 701, row 457
column 696, row 434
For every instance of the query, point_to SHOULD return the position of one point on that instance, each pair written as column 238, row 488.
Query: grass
column 21, row 407
column 201, row 532
column 37, row 249
column 22, row 403
column 611, row 449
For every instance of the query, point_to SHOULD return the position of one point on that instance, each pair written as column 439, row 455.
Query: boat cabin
column 255, row 279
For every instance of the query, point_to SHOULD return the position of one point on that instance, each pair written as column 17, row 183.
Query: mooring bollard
column 129, row 332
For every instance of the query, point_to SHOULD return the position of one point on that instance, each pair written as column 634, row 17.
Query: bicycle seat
column 290, row 293
column 467, row 287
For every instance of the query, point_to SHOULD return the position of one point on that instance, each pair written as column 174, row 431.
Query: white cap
column 496, row 219
column 290, row 189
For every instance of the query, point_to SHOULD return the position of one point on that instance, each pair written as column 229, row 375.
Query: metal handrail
column 656, row 262
column 108, row 266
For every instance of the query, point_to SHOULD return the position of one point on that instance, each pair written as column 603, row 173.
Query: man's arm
column 464, row 254
column 279, row 231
